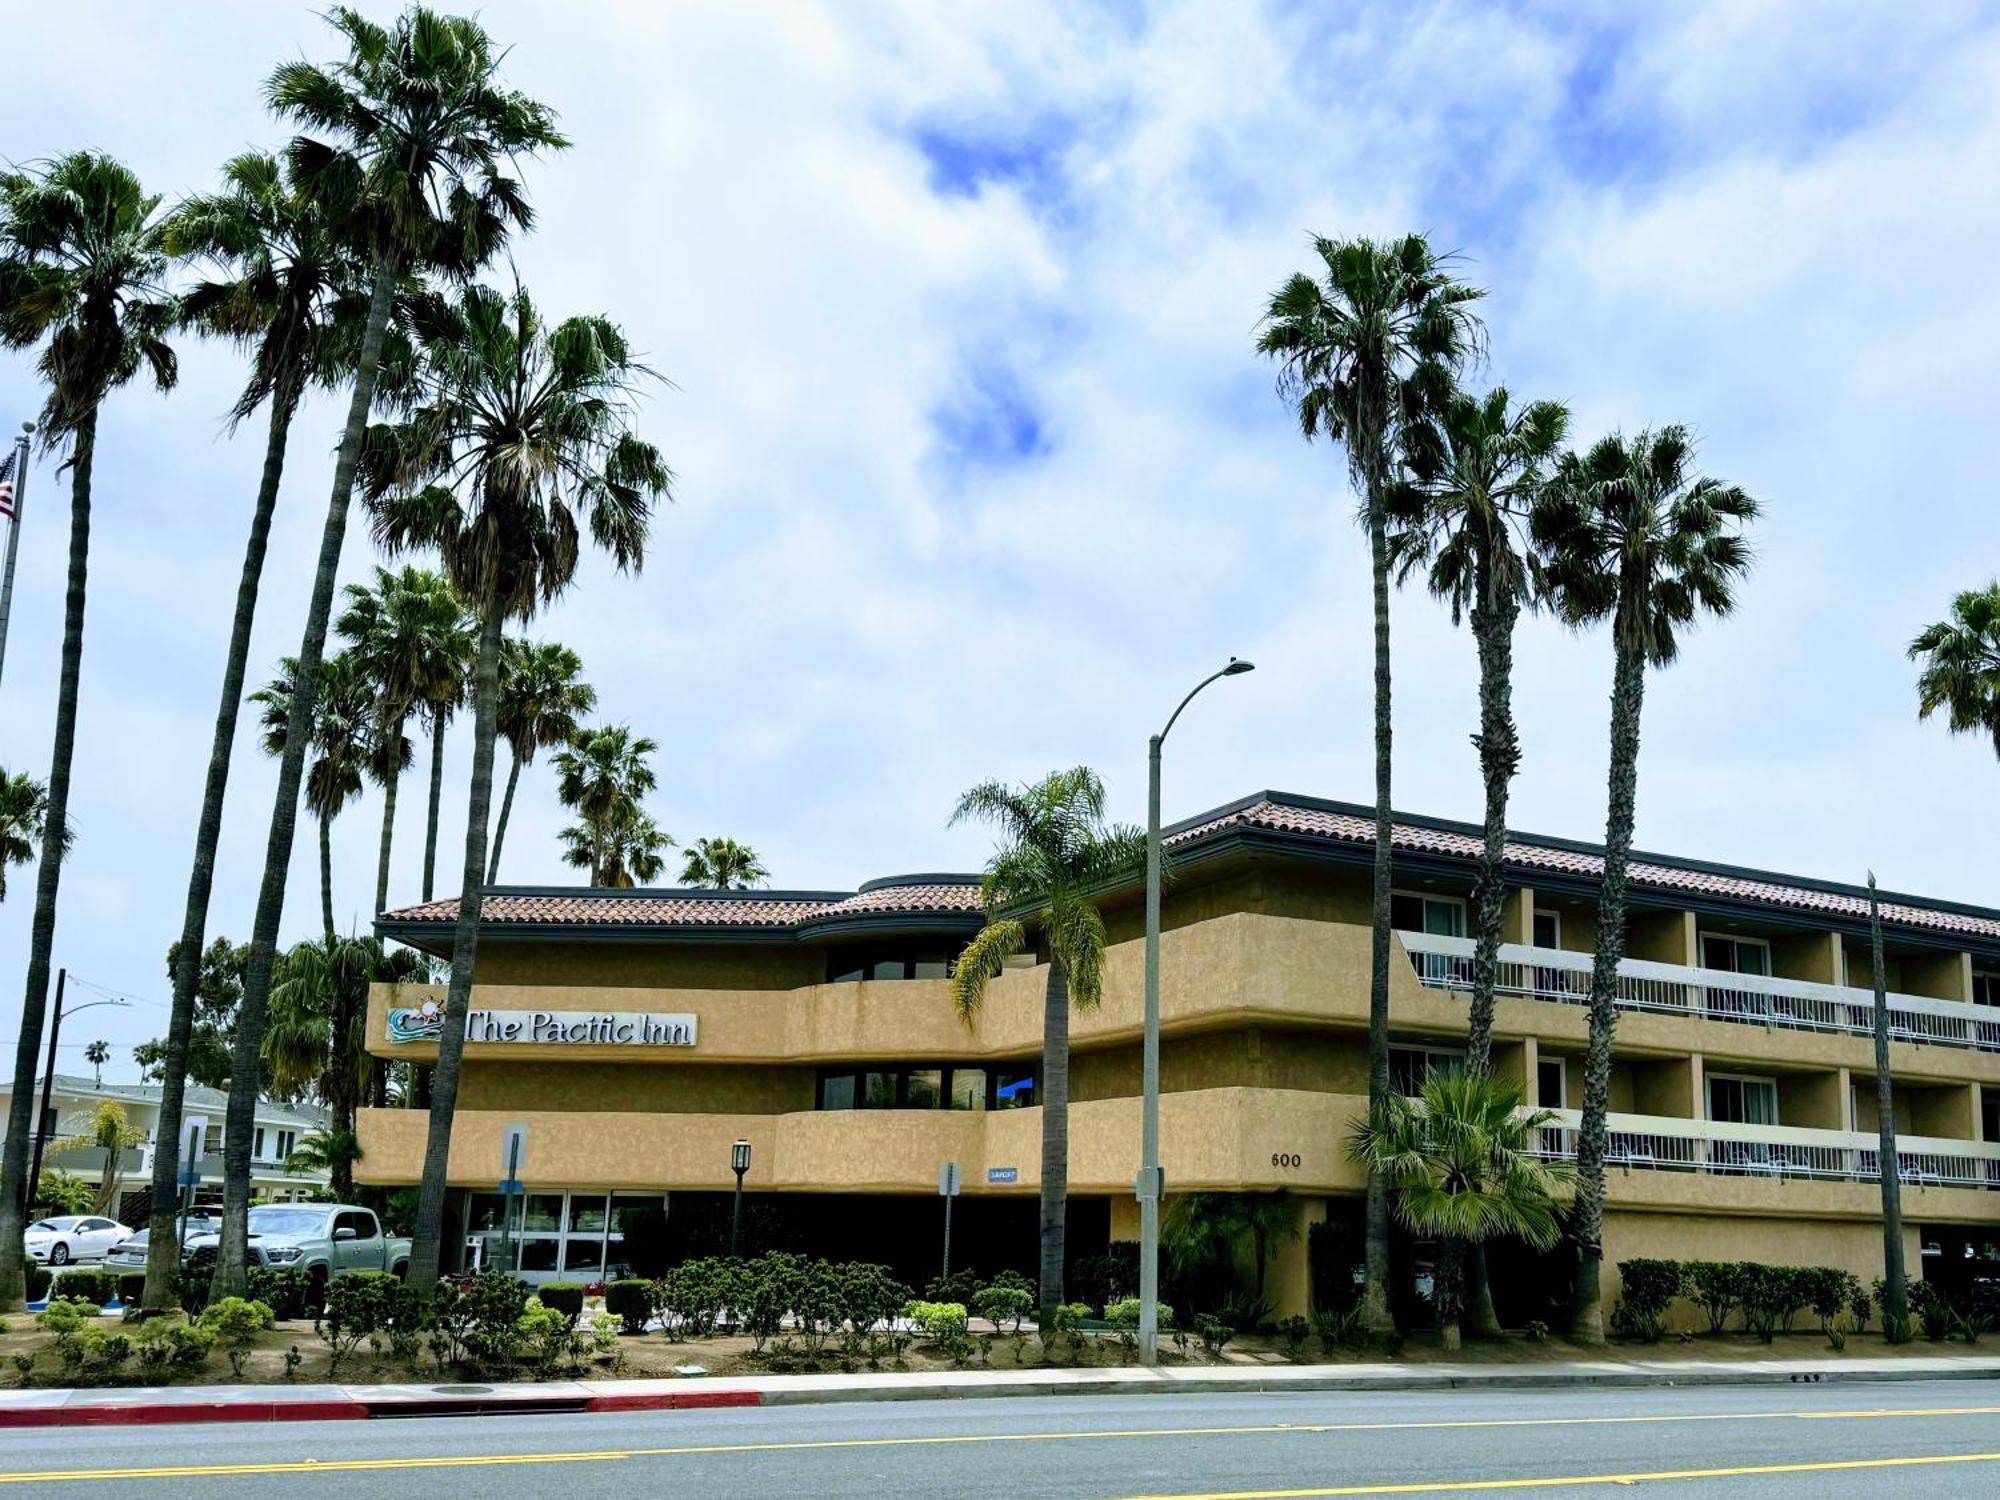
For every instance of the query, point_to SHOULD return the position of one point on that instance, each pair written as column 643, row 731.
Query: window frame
column 1703, row 936
column 1554, row 916
column 1711, row 1078
column 1460, row 903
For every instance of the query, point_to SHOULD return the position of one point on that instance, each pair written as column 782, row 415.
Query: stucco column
column 1288, row 1276
column 1517, row 917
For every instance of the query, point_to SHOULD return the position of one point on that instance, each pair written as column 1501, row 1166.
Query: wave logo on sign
column 419, row 1023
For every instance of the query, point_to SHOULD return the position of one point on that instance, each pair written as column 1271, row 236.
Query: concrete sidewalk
column 319, row 1403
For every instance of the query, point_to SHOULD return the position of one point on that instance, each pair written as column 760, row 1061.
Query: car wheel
column 400, row 1270
column 59, row 1254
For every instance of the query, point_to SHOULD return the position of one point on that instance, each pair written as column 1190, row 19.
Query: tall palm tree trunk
column 1895, row 1293
column 1376, row 1312
column 437, row 791
column 389, row 785
column 162, row 1246
column 48, row 875
column 1628, row 693
column 1055, row 1138
column 252, row 1011
column 506, row 809
column 1499, row 758
column 429, row 1240
column 326, row 876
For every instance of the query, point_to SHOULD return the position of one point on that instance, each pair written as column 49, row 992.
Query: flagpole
column 13, row 537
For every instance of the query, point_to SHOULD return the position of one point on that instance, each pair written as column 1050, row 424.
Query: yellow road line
column 349, row 1465
column 1467, row 1486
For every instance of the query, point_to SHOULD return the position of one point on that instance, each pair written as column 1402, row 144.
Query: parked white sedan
column 72, row 1237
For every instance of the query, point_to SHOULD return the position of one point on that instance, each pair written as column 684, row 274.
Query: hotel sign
column 581, row 1028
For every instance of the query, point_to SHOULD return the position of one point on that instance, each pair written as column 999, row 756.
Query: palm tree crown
column 1961, row 665
column 24, row 807
column 722, row 864
column 543, row 699
column 604, row 775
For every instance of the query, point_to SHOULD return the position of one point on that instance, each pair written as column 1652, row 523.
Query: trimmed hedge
column 1767, row 1298
column 565, row 1297
column 38, row 1282
column 99, row 1287
column 633, row 1302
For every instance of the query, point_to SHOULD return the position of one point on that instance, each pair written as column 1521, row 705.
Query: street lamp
column 739, row 1163
column 1150, row 1185
column 49, row 1078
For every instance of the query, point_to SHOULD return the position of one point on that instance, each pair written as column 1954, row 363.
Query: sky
column 977, row 470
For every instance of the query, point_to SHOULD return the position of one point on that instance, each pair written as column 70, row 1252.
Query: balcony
column 1563, row 978
column 1718, row 1148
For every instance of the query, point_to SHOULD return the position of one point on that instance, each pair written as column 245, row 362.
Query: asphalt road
column 1903, row 1438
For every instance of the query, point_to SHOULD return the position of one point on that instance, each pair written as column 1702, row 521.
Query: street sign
column 513, row 1186
column 948, row 1179
column 1151, row 1184
column 996, row 1176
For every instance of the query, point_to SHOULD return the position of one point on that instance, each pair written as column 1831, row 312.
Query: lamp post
column 48, row 1081
column 739, row 1163
column 1151, row 1185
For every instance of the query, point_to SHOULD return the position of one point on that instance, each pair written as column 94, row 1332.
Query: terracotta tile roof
column 702, row 909
column 1529, row 855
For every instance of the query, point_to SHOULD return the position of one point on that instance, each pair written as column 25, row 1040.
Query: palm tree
column 542, row 699
column 1204, row 1231
column 97, row 1054
column 624, row 849
column 24, row 811
column 520, row 439
column 83, row 262
column 333, row 1151
column 108, row 1131
column 409, row 633
column 603, row 775
column 1961, row 672
column 419, row 134
column 315, row 1045
column 1056, row 853
column 1632, row 533
column 343, row 728
column 1363, row 354
column 287, row 289
column 1460, row 1163
column 722, row 865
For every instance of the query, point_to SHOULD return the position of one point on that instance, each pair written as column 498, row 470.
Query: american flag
column 7, row 483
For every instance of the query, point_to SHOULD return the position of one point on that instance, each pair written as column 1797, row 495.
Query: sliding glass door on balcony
column 1740, row 1099
column 1736, row 955
column 1438, row 916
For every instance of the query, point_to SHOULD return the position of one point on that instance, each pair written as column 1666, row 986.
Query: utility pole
column 14, row 551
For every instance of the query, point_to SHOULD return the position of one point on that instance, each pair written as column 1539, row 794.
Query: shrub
column 1246, row 1311
column 92, row 1353
column 1771, row 1295
column 131, row 1287
column 1339, row 1330
column 165, row 1347
column 959, row 1286
column 550, row 1338
column 94, row 1287
column 1859, row 1305
column 565, row 1297
column 1296, row 1331
column 938, row 1320
column 1650, row 1287
column 1830, row 1292
column 487, row 1313
column 633, row 1302
column 817, row 1305
column 39, row 1279
column 1103, row 1279
column 1010, row 1280
column 869, row 1296
column 767, row 1287
column 360, row 1305
column 67, row 1315
column 234, row 1323
column 1004, row 1304
column 1717, row 1286
column 192, row 1281
column 1330, row 1266
column 1215, row 1332
column 694, row 1294
column 284, row 1289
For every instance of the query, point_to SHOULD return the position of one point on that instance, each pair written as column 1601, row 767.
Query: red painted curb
column 162, row 1412
column 673, row 1401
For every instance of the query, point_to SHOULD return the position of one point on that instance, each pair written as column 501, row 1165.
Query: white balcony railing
column 1563, row 977
column 1661, row 1143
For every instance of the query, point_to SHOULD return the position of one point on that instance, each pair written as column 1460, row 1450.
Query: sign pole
column 947, row 1190
column 507, row 1196
column 13, row 536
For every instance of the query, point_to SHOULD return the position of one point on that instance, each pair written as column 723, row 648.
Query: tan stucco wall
column 720, row 966
column 690, row 1088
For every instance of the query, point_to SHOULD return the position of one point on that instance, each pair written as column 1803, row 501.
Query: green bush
column 1296, row 1331
column 633, row 1302
column 959, row 1286
column 285, row 1290
column 1103, row 1279
column 940, row 1321
column 565, row 1297
column 67, row 1315
column 234, row 1323
column 694, row 1294
column 489, row 1309
column 1003, row 1304
column 1215, row 1332
column 1650, row 1287
column 550, row 1339
column 765, row 1291
column 38, row 1281
column 1772, row 1295
column 1717, row 1287
column 169, row 1347
column 96, row 1287
column 91, row 1353
column 193, row 1279
column 360, row 1305
column 1830, row 1293
column 1010, row 1281
column 131, row 1287
column 869, row 1297
column 1124, row 1313
column 1338, row 1330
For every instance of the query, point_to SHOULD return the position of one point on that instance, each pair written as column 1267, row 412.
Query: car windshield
column 51, row 1225
column 285, row 1220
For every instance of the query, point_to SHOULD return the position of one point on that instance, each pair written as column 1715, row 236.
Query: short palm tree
column 722, row 865
column 624, row 849
column 1461, row 1166
column 519, row 443
column 408, row 632
column 414, row 128
column 333, row 1151
column 24, row 811
column 343, row 746
column 1364, row 350
column 1961, row 665
column 107, row 1130
column 1056, row 853
column 83, row 266
column 543, row 699
column 1204, row 1231
column 1633, row 534
column 603, row 775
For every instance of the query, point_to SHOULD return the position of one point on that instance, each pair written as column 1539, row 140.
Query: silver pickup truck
column 322, row 1239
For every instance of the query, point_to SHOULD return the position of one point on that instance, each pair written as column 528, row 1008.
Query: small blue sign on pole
column 512, row 1185
column 999, row 1175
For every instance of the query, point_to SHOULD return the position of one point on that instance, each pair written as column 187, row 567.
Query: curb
column 527, row 1402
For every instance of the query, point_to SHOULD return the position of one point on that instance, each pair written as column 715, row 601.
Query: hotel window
column 1409, row 1066
column 1440, row 916
column 1985, row 987
column 1548, row 929
column 923, row 1088
column 843, row 966
column 1740, row 1099
column 878, row 1091
column 836, row 1091
column 1736, row 955
column 257, row 1147
column 909, row 1088
column 1013, row 1090
column 968, row 1088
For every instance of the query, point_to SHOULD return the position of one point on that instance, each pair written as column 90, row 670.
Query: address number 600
column 1284, row 1158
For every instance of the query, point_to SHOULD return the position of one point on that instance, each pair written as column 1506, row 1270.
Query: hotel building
column 638, row 1034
